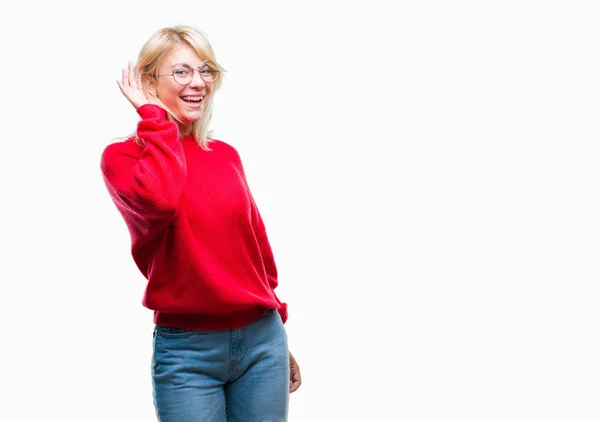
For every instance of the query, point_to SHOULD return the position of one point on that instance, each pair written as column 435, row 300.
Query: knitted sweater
column 196, row 232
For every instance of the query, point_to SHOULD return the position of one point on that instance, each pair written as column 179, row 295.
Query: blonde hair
column 153, row 52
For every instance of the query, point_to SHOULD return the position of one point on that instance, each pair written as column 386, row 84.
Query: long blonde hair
column 154, row 50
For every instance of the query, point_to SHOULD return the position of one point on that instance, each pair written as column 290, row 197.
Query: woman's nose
column 197, row 80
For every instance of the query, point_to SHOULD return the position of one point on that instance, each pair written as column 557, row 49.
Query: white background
column 428, row 174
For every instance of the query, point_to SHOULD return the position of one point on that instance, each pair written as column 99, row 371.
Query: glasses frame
column 198, row 68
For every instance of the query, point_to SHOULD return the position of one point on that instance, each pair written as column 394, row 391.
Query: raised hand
column 131, row 87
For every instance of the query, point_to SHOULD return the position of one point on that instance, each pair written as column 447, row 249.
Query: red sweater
column 196, row 233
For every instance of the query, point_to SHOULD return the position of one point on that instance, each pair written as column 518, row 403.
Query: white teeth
column 193, row 98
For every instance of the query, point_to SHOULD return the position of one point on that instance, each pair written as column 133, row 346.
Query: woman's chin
column 190, row 117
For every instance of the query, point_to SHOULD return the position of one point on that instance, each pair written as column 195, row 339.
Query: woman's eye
column 181, row 72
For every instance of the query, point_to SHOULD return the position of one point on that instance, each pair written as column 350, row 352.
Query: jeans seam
column 174, row 336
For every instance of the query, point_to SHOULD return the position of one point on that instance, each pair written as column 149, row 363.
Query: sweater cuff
column 283, row 312
column 151, row 111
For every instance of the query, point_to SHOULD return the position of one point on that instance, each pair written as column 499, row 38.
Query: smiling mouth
column 193, row 99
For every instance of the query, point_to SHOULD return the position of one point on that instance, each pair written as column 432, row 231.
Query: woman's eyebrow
column 206, row 63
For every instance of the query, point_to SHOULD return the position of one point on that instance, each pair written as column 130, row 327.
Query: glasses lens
column 183, row 75
column 209, row 74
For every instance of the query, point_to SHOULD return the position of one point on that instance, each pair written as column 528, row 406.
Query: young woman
column 220, row 346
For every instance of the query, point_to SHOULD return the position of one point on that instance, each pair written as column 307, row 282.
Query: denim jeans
column 239, row 375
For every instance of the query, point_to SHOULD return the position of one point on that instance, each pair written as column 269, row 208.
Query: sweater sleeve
column 263, row 242
column 146, row 183
column 268, row 258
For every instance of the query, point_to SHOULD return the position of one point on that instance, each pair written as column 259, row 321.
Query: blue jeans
column 239, row 375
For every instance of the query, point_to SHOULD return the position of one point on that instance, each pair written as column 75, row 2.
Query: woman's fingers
column 121, row 87
column 132, row 79
column 131, row 86
column 128, row 76
column 295, row 377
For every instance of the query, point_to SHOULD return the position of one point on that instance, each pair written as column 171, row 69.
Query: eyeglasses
column 184, row 73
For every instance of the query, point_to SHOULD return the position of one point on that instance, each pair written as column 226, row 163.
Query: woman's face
column 186, row 102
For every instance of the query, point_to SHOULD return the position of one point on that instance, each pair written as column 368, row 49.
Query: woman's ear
column 149, row 85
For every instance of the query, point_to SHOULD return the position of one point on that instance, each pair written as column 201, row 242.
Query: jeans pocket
column 173, row 332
